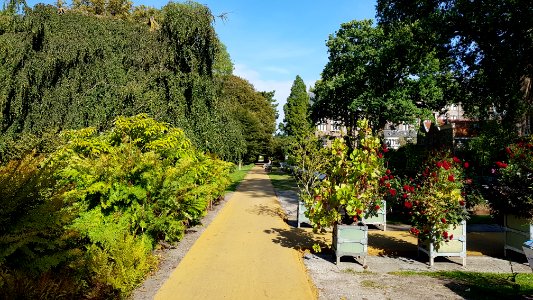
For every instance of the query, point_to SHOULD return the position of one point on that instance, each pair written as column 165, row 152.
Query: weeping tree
column 87, row 65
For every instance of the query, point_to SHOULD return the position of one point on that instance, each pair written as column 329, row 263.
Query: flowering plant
column 355, row 183
column 515, row 189
column 434, row 200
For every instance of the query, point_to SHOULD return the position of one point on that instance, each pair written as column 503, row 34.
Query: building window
column 321, row 127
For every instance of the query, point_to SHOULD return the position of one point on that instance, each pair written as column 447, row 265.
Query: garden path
column 236, row 257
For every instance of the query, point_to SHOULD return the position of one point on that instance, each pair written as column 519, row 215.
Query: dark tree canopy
column 296, row 122
column 489, row 44
column 379, row 75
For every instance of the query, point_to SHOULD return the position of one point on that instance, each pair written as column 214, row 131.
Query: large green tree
column 489, row 44
column 379, row 75
column 296, row 122
column 255, row 113
column 75, row 69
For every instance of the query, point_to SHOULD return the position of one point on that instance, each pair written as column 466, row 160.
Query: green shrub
column 94, row 209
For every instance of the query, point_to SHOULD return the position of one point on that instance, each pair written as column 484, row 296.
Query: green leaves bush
column 96, row 207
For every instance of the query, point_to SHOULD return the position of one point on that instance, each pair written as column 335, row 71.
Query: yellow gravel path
column 237, row 257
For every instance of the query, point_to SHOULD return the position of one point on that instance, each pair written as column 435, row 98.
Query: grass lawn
column 237, row 176
column 473, row 285
column 281, row 180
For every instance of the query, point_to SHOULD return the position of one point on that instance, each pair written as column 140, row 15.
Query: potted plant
column 352, row 190
column 310, row 159
column 435, row 204
column 514, row 194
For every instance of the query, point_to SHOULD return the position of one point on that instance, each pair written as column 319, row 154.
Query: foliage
column 254, row 113
column 488, row 44
column 515, row 182
column 354, row 186
column 435, row 200
column 382, row 75
column 95, row 208
column 486, row 148
column 475, row 285
column 144, row 169
column 31, row 220
column 296, row 122
column 310, row 160
column 85, row 70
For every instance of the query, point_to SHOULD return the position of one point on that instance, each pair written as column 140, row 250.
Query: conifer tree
column 296, row 110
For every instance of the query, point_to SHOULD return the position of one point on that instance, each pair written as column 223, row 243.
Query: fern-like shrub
column 96, row 207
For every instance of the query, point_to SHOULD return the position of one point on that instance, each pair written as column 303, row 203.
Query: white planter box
column 380, row 219
column 528, row 250
column 454, row 248
column 301, row 218
column 350, row 240
column 517, row 231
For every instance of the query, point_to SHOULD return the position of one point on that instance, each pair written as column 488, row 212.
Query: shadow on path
column 297, row 238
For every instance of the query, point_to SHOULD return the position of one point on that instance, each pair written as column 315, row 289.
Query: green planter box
column 301, row 214
column 380, row 219
column 454, row 248
column 350, row 240
column 517, row 231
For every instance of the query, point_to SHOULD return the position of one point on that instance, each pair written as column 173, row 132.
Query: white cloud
column 277, row 70
column 282, row 87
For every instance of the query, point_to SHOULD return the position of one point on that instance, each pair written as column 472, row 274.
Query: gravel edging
column 169, row 258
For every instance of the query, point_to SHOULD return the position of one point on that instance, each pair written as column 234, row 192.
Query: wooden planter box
column 301, row 214
column 350, row 240
column 455, row 247
column 517, row 231
column 380, row 219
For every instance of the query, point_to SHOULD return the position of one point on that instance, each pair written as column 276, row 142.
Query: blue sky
column 270, row 42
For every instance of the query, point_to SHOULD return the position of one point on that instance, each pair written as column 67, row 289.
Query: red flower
column 508, row 150
column 387, row 172
column 443, row 220
column 380, row 155
column 445, row 234
column 434, row 174
column 412, row 189
column 446, row 165
column 439, row 164
column 451, row 237
column 457, row 160
column 405, row 196
column 317, row 197
column 406, row 188
column 501, row 164
column 355, row 218
column 391, row 177
column 462, row 202
column 466, row 165
column 451, row 178
column 408, row 204
column 358, row 211
column 377, row 207
column 392, row 192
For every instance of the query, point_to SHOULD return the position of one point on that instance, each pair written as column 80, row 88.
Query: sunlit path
column 236, row 258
